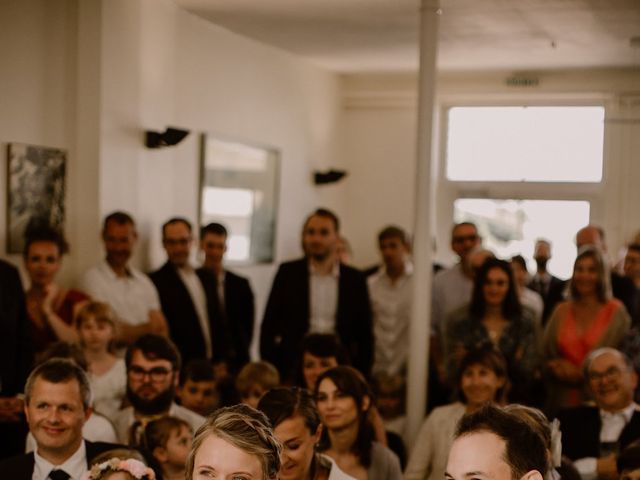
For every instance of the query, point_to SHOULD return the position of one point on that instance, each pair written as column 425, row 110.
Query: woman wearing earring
column 344, row 400
column 296, row 424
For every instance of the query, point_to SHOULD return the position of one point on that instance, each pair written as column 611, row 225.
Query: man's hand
column 157, row 323
column 565, row 370
column 607, row 469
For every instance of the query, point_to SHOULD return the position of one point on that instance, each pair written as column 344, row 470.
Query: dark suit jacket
column 21, row 467
column 286, row 317
column 551, row 297
column 233, row 328
column 580, row 428
column 180, row 312
column 16, row 351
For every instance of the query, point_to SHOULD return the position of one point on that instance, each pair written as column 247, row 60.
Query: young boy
column 198, row 388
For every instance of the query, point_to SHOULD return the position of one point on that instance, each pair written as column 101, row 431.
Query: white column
column 423, row 251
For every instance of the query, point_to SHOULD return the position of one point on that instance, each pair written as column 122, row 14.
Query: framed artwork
column 35, row 191
column 239, row 189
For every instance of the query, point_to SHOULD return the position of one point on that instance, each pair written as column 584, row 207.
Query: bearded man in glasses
column 153, row 366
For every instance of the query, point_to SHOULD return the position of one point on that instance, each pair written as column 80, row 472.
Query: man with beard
column 543, row 282
column 153, row 366
column 317, row 294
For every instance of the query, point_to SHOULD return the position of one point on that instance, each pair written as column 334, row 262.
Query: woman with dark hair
column 51, row 308
column 348, row 437
column 296, row 424
column 319, row 352
column 481, row 379
column 589, row 319
column 496, row 317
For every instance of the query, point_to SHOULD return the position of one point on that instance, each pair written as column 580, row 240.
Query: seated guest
column 320, row 352
column 51, row 308
column 198, row 390
column 494, row 444
column 348, row 437
column 590, row 319
column 628, row 462
column 481, row 379
column 169, row 439
column 107, row 373
column 296, row 424
column 153, row 366
column 57, row 405
column 317, row 294
column 592, row 436
column 97, row 428
column 120, row 464
column 235, row 439
column 233, row 305
column 254, row 380
column 495, row 316
column 391, row 291
column 128, row 291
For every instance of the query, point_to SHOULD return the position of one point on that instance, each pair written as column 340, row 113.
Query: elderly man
column 57, row 399
column 493, row 444
column 592, row 436
column 153, row 366
column 317, row 294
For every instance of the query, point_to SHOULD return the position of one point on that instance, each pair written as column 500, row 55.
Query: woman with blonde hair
column 234, row 442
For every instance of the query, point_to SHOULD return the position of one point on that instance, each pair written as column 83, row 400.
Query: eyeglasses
column 157, row 374
column 611, row 372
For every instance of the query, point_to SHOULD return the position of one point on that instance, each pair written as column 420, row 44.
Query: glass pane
column 511, row 227
column 530, row 144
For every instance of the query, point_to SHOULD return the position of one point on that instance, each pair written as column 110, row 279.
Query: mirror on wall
column 239, row 189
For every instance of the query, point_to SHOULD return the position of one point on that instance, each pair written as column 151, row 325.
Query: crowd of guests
column 136, row 376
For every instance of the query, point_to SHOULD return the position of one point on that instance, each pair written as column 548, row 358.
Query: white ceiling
column 382, row 35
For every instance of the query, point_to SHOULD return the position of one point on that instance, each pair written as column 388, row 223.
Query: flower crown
column 136, row 468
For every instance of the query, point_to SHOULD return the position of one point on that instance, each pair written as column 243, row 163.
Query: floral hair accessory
column 136, row 468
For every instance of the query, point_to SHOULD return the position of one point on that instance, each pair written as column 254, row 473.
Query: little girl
column 107, row 373
column 169, row 439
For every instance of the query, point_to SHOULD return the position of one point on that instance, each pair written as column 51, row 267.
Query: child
column 169, row 439
column 119, row 464
column 254, row 380
column 96, row 326
column 198, row 390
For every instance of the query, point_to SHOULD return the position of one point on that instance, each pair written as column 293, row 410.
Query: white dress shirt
column 75, row 465
column 323, row 300
column 196, row 292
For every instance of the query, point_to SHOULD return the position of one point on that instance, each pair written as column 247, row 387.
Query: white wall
column 379, row 137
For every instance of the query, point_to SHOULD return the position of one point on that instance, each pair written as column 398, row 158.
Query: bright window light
column 228, row 202
column 511, row 227
column 529, row 144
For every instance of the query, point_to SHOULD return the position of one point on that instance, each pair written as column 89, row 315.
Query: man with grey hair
column 593, row 436
column 57, row 405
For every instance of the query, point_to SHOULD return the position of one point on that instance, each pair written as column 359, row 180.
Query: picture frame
column 35, row 191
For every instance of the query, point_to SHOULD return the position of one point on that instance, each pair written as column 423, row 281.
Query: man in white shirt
column 390, row 290
column 182, row 294
column 128, row 291
column 593, row 436
column 57, row 405
column 153, row 368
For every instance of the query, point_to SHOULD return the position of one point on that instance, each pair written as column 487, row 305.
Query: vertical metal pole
column 423, row 252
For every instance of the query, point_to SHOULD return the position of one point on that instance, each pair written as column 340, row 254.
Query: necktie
column 59, row 475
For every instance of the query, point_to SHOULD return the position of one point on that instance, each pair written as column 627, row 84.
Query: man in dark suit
column 16, row 356
column 542, row 281
column 182, row 294
column 320, row 295
column 229, row 299
column 593, row 436
column 57, row 404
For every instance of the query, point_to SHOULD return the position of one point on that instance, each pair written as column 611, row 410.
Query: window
column 525, row 144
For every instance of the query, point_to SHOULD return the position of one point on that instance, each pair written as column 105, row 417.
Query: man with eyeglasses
column 183, row 296
column 592, row 437
column 153, row 366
